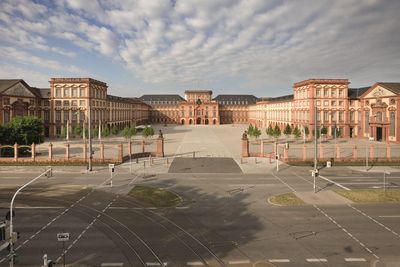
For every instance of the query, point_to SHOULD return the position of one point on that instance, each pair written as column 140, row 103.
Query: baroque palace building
column 368, row 112
column 69, row 102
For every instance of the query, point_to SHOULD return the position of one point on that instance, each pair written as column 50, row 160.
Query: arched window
column 392, row 131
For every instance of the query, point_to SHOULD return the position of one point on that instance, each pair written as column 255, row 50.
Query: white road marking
column 156, row 264
column 239, row 262
column 375, row 221
column 329, row 180
column 283, row 182
column 361, row 183
column 316, row 260
column 347, row 232
column 39, row 207
column 111, row 264
column 355, row 259
column 279, row 260
column 389, row 216
column 195, row 263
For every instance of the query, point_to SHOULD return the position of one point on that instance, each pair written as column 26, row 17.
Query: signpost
column 62, row 237
column 111, row 167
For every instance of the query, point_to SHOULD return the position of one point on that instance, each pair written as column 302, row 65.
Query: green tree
column 128, row 132
column 256, row 132
column 95, row 132
column 63, row 132
column 306, row 131
column 78, row 130
column 287, row 131
column 147, row 132
column 277, row 131
column 25, row 130
column 106, row 132
column 250, row 130
column 297, row 132
column 324, row 130
column 114, row 130
column 270, row 131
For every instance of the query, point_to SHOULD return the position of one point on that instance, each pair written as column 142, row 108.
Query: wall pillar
column 321, row 151
column 388, row 151
column 33, row 150
column 15, row 152
column 160, row 147
column 102, row 152
column 355, row 156
column 143, row 146
column 245, row 147
column 67, row 156
column 304, row 152
column 371, row 151
column 337, row 151
column 120, row 152
column 50, row 152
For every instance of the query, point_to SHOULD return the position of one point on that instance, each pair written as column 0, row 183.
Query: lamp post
column 315, row 172
column 90, row 139
column 366, row 144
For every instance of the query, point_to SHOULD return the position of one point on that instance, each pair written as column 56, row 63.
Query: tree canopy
column 288, row 130
column 23, row 131
column 148, row 131
column 128, row 132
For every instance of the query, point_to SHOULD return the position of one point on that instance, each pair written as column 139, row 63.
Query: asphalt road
column 224, row 220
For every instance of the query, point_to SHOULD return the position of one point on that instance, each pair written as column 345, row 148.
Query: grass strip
column 371, row 195
column 155, row 197
column 287, row 199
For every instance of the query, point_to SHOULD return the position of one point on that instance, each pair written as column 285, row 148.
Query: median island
column 371, row 195
column 286, row 199
column 155, row 197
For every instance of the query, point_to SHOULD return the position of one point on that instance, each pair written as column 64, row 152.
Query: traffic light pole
column 11, row 215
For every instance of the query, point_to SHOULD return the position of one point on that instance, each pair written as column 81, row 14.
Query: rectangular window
column 58, row 92
column 58, row 130
column 341, row 103
column 74, row 92
column 318, row 103
column 58, row 115
column 325, row 93
column 341, row 116
column 341, row 93
column 326, row 116
column 58, row 103
column 366, row 122
column 392, row 130
column 66, row 102
column 66, row 115
column 82, row 92
column 318, row 116
column 352, row 116
column 66, row 92
column 333, row 93
column 6, row 101
column 326, row 103
column 74, row 103
column 318, row 93
column 333, row 103
column 46, row 115
column 82, row 102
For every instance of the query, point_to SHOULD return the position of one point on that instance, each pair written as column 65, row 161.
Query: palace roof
column 248, row 99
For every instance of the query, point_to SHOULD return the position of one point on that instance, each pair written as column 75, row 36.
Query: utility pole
column 315, row 147
column 90, row 138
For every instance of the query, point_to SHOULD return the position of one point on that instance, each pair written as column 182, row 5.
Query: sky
column 258, row 47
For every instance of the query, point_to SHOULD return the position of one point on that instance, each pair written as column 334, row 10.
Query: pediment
column 379, row 92
column 19, row 89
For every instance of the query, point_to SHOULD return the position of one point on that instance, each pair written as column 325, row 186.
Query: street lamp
column 90, row 139
column 315, row 172
column 366, row 144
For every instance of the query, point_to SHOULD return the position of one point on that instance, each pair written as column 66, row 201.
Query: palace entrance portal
column 378, row 133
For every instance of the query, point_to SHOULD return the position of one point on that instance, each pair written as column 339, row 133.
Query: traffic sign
column 62, row 236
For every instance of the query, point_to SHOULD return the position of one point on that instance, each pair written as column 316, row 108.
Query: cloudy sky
column 258, row 47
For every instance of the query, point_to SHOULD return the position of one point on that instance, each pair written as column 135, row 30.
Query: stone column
column 33, row 150
column 371, row 151
column 355, row 156
column 337, row 151
column 388, row 151
column 130, row 147
column 285, row 154
column 143, row 146
column 160, row 147
column 321, row 151
column 50, row 151
column 245, row 147
column 120, row 152
column 102, row 152
column 15, row 152
column 84, row 151
column 304, row 152
column 67, row 156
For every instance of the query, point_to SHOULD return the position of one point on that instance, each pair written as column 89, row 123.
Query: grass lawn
column 155, row 197
column 371, row 195
column 287, row 199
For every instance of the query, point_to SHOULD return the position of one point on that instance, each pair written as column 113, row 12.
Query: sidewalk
column 326, row 197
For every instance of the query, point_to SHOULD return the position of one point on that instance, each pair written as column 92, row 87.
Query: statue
column 160, row 134
column 244, row 137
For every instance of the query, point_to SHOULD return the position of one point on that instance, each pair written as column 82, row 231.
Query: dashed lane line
column 239, row 262
column 375, row 221
column 156, row 264
column 347, row 232
column 355, row 259
column 278, row 260
column 389, row 216
column 195, row 263
column 111, row 264
column 317, row 260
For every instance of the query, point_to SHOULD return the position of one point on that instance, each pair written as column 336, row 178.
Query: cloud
column 265, row 42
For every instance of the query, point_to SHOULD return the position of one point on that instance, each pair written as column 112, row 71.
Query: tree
column 306, row 130
column 106, row 132
column 147, row 132
column 256, row 132
column 63, row 132
column 78, row 130
column 23, row 131
column 277, row 131
column 270, row 131
column 324, row 130
column 250, row 130
column 297, row 132
column 128, row 132
column 287, row 131
column 114, row 130
column 95, row 132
